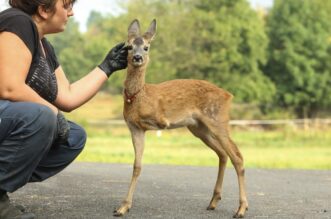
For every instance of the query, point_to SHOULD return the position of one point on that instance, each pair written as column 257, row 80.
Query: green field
column 281, row 147
column 262, row 149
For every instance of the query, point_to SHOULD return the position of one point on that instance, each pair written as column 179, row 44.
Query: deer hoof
column 117, row 214
column 121, row 211
column 210, row 208
column 240, row 214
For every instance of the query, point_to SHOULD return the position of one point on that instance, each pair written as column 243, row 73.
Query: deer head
column 138, row 46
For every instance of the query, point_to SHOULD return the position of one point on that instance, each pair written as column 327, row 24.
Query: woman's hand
column 115, row 60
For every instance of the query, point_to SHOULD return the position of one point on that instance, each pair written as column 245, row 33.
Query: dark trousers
column 27, row 149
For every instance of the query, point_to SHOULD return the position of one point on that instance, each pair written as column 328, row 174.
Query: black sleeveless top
column 41, row 76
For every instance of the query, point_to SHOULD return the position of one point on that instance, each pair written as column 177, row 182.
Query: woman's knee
column 77, row 136
column 43, row 119
column 47, row 118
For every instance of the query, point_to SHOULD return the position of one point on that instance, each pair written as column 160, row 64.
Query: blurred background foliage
column 276, row 62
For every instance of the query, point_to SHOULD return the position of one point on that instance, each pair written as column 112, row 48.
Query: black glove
column 115, row 60
column 63, row 128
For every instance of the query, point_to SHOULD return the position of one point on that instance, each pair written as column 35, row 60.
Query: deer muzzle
column 137, row 60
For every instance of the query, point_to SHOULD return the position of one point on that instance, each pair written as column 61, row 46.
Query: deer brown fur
column 198, row 105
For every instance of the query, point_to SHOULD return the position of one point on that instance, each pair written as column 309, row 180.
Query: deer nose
column 137, row 58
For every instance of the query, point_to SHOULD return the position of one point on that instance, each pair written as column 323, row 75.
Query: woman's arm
column 15, row 61
column 71, row 96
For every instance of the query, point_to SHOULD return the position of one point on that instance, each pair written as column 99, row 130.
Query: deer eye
column 130, row 47
column 146, row 48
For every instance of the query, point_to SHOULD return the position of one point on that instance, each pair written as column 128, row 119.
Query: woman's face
column 57, row 20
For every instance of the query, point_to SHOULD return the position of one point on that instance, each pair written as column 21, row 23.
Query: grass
column 271, row 149
column 285, row 147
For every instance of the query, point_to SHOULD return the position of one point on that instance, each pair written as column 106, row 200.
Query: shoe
column 9, row 211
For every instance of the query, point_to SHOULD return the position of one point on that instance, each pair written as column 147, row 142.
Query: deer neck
column 135, row 79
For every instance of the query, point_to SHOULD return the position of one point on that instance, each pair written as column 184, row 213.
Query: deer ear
column 150, row 33
column 134, row 29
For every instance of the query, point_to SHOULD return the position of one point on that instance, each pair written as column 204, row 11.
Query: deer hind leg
column 204, row 134
column 222, row 134
column 138, row 137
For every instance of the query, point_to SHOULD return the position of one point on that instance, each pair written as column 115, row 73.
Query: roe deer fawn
column 199, row 105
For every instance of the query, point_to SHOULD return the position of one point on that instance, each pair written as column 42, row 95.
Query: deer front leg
column 138, row 137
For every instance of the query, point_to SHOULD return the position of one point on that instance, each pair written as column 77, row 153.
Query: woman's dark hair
column 31, row 6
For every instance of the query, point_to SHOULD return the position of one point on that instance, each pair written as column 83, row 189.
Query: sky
column 83, row 8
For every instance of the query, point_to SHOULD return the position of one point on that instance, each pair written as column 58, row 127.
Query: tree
column 299, row 55
column 227, row 47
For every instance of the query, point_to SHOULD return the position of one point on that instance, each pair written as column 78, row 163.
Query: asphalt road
column 94, row 190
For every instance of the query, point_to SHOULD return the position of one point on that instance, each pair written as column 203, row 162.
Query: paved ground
column 93, row 190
